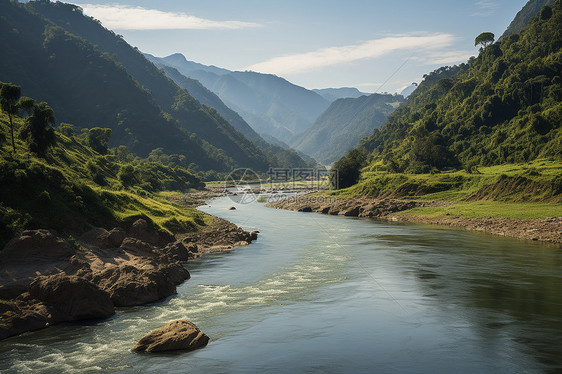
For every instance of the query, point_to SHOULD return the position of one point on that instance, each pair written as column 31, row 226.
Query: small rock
column 254, row 235
column 232, row 208
column 176, row 335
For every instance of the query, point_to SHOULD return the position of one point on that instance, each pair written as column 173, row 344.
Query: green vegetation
column 484, row 39
column 526, row 190
column 69, row 187
column 485, row 136
column 505, row 106
column 540, row 180
column 483, row 209
column 92, row 78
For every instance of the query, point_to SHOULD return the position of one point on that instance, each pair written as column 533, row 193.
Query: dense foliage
column 55, row 180
column 504, row 106
column 91, row 76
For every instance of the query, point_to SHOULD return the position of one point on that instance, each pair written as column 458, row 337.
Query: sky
column 374, row 45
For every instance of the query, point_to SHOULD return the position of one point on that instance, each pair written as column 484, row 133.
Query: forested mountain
column 504, row 106
column 270, row 104
column 332, row 94
column 525, row 15
column 91, row 77
column 277, row 156
column 343, row 124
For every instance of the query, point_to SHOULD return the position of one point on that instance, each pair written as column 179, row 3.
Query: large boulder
column 142, row 230
column 176, row 335
column 102, row 238
column 36, row 245
column 128, row 285
column 73, row 297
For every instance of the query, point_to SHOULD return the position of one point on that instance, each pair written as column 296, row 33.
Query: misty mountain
column 279, row 156
column 343, row 124
column 408, row 90
column 270, row 105
column 332, row 94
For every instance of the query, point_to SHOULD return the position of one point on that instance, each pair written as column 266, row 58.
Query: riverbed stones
column 176, row 335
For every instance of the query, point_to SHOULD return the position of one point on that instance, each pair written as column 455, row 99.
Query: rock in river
column 176, row 335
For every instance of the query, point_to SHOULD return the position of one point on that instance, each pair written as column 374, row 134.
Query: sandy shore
column 547, row 230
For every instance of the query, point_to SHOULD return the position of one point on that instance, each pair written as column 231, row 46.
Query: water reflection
column 511, row 290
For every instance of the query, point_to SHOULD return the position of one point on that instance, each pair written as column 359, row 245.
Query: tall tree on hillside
column 484, row 39
column 98, row 139
column 9, row 97
column 38, row 131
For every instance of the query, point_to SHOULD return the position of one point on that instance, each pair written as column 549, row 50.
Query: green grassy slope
column 74, row 188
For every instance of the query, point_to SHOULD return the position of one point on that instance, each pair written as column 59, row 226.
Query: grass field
column 530, row 190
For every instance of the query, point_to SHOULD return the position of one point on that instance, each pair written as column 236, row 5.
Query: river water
column 324, row 294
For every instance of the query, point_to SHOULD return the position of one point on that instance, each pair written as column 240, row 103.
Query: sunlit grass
column 481, row 209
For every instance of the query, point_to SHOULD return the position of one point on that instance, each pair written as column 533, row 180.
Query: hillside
column 71, row 187
column 525, row 16
column 502, row 111
column 502, row 107
column 269, row 104
column 92, row 77
column 277, row 156
column 343, row 124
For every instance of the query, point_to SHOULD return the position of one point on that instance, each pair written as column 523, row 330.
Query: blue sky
column 313, row 43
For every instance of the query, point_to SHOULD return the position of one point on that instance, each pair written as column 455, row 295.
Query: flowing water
column 325, row 294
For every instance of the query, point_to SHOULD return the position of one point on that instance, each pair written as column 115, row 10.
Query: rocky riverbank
column 547, row 230
column 46, row 279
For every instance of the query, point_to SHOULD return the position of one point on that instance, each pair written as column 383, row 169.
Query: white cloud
column 304, row 62
column 445, row 57
column 126, row 17
column 486, row 8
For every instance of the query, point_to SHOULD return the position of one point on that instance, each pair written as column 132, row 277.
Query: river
column 324, row 294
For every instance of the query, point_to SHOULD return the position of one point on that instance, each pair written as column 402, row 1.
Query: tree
column 38, row 131
column 484, row 39
column 98, row 139
column 9, row 96
column 348, row 168
column 66, row 129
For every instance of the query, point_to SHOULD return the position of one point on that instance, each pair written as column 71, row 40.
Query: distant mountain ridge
column 332, row 94
column 343, row 124
column 269, row 104
column 279, row 156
